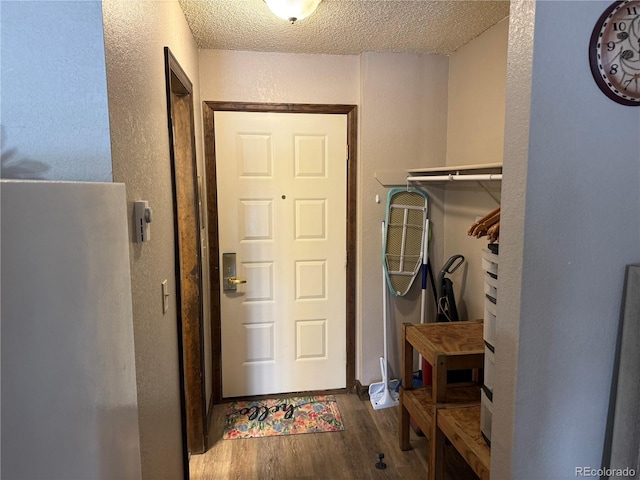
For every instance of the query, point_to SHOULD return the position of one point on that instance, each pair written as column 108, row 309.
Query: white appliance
column 490, row 262
column 69, row 403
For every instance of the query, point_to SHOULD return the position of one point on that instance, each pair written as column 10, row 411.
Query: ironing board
column 405, row 236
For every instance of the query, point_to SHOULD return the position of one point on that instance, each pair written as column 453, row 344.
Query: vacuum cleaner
column 446, row 301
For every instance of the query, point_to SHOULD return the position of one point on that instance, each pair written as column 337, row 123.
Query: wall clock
column 614, row 52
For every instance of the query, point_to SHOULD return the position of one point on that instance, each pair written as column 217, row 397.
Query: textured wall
column 477, row 84
column 68, row 375
column 580, row 201
column 403, row 125
column 277, row 77
column 516, row 150
column 475, row 135
column 55, row 122
column 135, row 34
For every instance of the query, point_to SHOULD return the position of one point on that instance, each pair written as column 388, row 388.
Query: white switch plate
column 165, row 297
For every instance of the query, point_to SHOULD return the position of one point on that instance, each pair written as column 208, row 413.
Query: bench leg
column 436, row 455
column 407, row 383
column 439, row 378
column 404, row 425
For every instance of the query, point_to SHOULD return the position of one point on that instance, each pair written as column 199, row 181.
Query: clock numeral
column 614, row 69
column 619, row 27
column 632, row 10
column 611, row 46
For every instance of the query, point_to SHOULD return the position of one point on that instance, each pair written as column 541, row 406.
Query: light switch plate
column 165, row 297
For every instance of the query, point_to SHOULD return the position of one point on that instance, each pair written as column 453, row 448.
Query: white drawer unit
column 489, row 262
column 486, row 414
column 491, row 286
column 489, row 326
column 489, row 368
column 490, row 267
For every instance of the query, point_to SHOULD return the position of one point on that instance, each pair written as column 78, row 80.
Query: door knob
column 235, row 281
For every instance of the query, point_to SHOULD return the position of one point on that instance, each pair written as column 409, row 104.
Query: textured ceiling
column 343, row 27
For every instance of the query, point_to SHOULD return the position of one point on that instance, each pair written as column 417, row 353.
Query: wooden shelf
column 461, row 426
column 462, row 342
column 422, row 408
column 446, row 346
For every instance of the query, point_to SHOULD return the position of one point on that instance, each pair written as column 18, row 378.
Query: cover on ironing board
column 407, row 212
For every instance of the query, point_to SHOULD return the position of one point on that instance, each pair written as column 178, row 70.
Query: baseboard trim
column 362, row 391
column 310, row 393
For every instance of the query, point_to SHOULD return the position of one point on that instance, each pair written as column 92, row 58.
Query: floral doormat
column 282, row 416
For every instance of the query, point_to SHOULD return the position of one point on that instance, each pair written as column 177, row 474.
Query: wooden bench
column 446, row 346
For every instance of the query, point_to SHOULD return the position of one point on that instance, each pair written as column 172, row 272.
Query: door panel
column 282, row 210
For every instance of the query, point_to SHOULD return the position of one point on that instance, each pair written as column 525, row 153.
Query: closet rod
column 456, row 177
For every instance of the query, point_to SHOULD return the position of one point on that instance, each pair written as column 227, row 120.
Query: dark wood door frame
column 351, row 111
column 188, row 262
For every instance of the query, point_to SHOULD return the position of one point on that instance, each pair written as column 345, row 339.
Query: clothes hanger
column 487, row 225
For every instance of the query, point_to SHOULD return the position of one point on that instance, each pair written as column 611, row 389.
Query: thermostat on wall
column 142, row 219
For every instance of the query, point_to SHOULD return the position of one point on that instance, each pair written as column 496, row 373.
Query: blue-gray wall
column 53, row 110
column 571, row 210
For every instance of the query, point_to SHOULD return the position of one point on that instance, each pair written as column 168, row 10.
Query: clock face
column 614, row 52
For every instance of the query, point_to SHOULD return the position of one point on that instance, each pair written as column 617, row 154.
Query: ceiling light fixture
column 292, row 10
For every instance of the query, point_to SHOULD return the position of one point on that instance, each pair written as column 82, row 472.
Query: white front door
column 282, row 211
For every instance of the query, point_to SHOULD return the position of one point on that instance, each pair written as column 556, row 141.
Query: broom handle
column 384, row 318
column 425, row 261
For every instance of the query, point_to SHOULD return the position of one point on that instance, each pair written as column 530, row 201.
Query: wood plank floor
column 351, row 454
